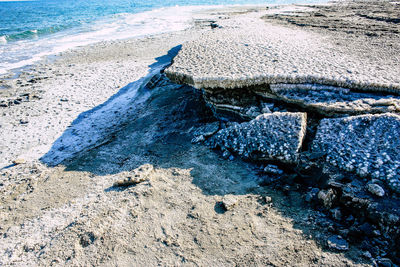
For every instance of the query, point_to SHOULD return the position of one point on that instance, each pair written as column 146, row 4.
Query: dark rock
column 327, row 197
column 336, row 214
column 198, row 139
column 367, row 229
column 214, row 25
column 367, row 254
column 311, row 195
column 272, row 169
column 385, row 262
column 376, row 190
column 337, row 243
column 329, row 100
column 87, row 239
column 207, row 130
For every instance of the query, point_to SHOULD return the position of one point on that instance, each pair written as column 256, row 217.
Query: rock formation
column 263, row 82
column 244, row 72
column 368, row 145
column 275, row 136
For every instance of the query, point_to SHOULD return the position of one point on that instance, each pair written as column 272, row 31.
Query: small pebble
column 376, row 190
column 337, row 243
column 229, row 201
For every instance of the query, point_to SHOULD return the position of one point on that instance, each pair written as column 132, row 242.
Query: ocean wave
column 33, row 33
column 29, row 46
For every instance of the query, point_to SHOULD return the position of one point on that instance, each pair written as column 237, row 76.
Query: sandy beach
column 74, row 125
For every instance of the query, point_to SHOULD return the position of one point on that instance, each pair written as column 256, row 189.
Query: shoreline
column 180, row 24
column 189, row 206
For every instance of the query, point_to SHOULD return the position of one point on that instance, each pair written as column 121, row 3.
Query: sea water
column 30, row 30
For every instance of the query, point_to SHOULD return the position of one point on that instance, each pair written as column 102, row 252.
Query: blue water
column 32, row 29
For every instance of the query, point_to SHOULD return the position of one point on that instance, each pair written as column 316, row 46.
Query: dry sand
column 72, row 215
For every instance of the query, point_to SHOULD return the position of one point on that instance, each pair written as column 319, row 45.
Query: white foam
column 3, row 40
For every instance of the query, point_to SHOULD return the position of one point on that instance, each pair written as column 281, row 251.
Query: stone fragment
column 137, row 176
column 198, row 139
column 267, row 107
column 267, row 199
column 337, row 243
column 376, row 190
column 229, row 201
column 311, row 194
column 207, row 130
column 327, row 197
column 272, row 169
column 275, row 136
column 336, row 214
column 331, row 100
column 262, row 54
column 368, row 145
column 385, row 262
column 19, row 161
column 367, row 254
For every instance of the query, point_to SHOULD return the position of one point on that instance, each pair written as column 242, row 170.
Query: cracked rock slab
column 331, row 100
column 368, row 145
column 248, row 52
column 275, row 136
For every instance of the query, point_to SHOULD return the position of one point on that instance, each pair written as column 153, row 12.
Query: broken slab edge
column 265, row 80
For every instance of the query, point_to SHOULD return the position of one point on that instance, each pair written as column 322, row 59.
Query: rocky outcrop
column 368, row 145
column 275, row 136
column 331, row 100
column 248, row 52
column 263, row 82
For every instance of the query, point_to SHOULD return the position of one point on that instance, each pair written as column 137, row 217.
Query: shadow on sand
column 150, row 121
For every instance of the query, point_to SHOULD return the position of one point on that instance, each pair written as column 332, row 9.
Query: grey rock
column 231, row 104
column 268, row 199
column 207, row 130
column 138, row 175
column 267, row 107
column 311, row 194
column 385, row 262
column 198, row 139
column 367, row 145
column 252, row 112
column 337, row 243
column 273, row 169
column 229, row 201
column 376, row 189
column 336, row 214
column 275, row 136
column 331, row 100
column 226, row 154
column 327, row 197
column 367, row 254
